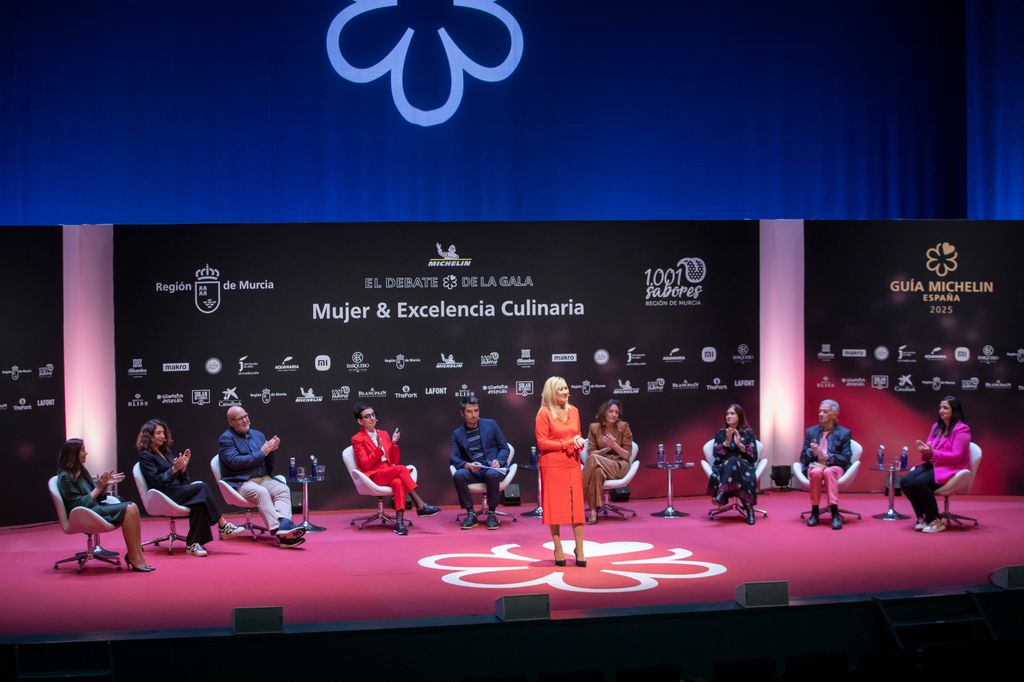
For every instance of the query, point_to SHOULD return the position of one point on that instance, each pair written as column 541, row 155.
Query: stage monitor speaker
column 511, row 496
column 257, row 620
column 763, row 594
column 523, row 607
column 1008, row 577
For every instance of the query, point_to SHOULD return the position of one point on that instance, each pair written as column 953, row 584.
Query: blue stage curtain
column 129, row 112
column 995, row 109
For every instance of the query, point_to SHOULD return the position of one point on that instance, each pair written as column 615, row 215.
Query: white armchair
column 482, row 487
column 960, row 483
column 615, row 483
column 364, row 486
column 845, row 481
column 81, row 520
column 157, row 503
column 235, row 499
column 709, row 459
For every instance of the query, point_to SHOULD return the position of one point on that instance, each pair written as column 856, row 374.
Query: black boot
column 837, row 518
column 749, row 508
column 813, row 519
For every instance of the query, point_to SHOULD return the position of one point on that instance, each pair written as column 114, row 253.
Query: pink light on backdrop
column 782, row 338
column 89, row 341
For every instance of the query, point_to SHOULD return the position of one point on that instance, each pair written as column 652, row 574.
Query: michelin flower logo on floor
column 620, row 567
column 395, row 61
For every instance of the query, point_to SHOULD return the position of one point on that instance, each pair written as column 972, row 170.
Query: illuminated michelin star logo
column 941, row 259
column 395, row 61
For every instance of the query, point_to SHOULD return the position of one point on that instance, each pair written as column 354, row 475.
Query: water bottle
column 881, row 456
column 903, row 458
column 312, row 467
column 661, row 454
column 533, row 455
column 679, row 453
column 291, row 469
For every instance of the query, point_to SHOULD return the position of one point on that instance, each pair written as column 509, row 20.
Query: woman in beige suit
column 610, row 445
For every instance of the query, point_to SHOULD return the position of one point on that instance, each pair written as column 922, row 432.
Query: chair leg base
column 385, row 519
column 714, row 512
column 608, row 507
column 957, row 519
column 253, row 528
column 85, row 557
column 170, row 539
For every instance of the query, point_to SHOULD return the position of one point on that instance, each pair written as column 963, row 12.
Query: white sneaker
column 196, row 549
column 936, row 526
column 920, row 524
column 230, row 530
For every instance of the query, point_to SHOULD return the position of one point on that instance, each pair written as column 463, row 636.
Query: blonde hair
column 547, row 396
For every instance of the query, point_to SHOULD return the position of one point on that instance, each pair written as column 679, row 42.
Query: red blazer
column 368, row 454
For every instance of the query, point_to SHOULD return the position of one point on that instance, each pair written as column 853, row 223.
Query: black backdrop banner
column 32, row 366
column 298, row 322
column 899, row 315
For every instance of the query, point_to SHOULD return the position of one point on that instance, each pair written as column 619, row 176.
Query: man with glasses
column 247, row 465
column 377, row 456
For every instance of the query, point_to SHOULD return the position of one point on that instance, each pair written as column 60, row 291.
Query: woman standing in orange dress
column 560, row 443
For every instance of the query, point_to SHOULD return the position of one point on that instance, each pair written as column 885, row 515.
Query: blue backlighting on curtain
column 130, row 112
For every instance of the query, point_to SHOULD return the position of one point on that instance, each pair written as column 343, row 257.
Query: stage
column 440, row 571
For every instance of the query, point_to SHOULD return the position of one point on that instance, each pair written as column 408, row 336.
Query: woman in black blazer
column 168, row 473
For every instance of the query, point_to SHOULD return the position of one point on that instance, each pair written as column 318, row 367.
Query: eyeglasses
column 243, row 418
column 371, row 415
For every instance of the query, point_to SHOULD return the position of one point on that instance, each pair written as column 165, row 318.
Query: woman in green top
column 77, row 490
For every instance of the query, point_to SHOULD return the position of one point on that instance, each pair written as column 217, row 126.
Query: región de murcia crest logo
column 207, row 289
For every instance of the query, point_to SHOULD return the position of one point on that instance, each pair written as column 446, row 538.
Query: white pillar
column 89, row 370
column 782, row 339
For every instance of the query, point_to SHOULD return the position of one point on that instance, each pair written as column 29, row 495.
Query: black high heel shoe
column 582, row 563
column 560, row 562
column 146, row 568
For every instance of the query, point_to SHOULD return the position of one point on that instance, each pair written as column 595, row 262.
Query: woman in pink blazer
column 947, row 451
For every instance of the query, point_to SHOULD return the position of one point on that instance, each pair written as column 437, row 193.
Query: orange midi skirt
column 561, row 482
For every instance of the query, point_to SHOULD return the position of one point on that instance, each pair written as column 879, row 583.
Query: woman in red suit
column 947, row 451
column 560, row 443
column 377, row 456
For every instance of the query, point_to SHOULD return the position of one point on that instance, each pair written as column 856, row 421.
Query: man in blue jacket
column 825, row 456
column 479, row 455
column 247, row 465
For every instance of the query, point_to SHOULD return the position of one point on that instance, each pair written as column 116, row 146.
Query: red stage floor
column 350, row 575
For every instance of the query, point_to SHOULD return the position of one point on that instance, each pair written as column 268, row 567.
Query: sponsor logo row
column 228, row 397
column 908, row 355
column 27, row 404
column 906, row 383
column 15, row 372
column 357, row 362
